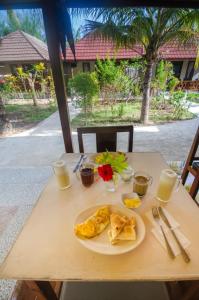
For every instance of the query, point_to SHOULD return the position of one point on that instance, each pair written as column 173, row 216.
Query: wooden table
column 47, row 249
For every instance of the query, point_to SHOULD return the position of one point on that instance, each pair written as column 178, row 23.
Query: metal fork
column 156, row 216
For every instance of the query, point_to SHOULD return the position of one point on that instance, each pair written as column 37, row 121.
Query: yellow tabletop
column 47, row 249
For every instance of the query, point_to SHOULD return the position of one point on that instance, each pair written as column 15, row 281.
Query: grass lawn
column 24, row 116
column 124, row 114
column 193, row 97
column 27, row 113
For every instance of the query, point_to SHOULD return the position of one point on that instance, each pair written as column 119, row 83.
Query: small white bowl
column 130, row 196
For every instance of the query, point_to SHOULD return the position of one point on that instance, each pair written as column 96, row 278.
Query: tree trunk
column 34, row 97
column 146, row 92
column 5, row 125
column 2, row 112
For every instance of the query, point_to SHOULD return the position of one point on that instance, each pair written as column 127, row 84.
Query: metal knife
column 166, row 221
column 78, row 163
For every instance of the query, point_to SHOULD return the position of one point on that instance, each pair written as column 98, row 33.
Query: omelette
column 95, row 224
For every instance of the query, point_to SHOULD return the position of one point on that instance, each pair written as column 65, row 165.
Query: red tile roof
column 175, row 50
column 89, row 48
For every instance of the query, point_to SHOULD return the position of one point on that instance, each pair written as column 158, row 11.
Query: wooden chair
column 106, row 137
column 192, row 166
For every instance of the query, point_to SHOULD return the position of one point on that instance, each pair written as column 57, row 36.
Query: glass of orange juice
column 61, row 174
column 167, row 184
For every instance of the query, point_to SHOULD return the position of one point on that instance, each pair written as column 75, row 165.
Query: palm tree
column 150, row 27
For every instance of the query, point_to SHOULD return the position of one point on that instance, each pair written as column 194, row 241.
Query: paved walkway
column 25, row 167
column 43, row 144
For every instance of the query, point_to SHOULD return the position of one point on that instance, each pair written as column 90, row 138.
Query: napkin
column 156, row 230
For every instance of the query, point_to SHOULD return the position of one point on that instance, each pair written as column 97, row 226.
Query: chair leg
column 192, row 293
column 194, row 188
column 174, row 290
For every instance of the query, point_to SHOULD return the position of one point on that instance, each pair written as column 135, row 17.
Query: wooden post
column 57, row 71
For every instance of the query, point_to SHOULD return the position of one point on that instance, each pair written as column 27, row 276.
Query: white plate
column 101, row 243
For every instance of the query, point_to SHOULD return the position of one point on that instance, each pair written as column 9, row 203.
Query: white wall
column 4, row 69
column 79, row 67
column 184, row 69
column 196, row 74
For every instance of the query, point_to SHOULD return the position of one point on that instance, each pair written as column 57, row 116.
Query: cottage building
column 21, row 49
column 88, row 49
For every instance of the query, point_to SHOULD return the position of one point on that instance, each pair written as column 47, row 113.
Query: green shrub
column 172, row 83
column 5, row 87
column 106, row 71
column 121, row 110
column 164, row 77
column 193, row 97
column 85, row 88
column 177, row 99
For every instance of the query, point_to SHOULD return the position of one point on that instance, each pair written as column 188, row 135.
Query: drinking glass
column 141, row 182
column 167, row 184
column 86, row 173
column 127, row 174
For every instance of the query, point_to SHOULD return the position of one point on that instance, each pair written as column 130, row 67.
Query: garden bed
column 124, row 114
column 25, row 116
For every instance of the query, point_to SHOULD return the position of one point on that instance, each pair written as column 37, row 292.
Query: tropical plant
column 28, row 20
column 13, row 20
column 113, row 79
column 106, row 70
column 193, row 97
column 150, row 27
column 172, row 83
column 84, row 89
column 164, row 77
column 180, row 105
column 31, row 75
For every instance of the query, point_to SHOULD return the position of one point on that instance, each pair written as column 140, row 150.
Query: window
column 190, row 71
column 86, row 67
column 13, row 69
column 177, row 67
column 27, row 67
column 67, row 68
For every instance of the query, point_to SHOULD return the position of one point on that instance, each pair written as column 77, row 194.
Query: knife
column 78, row 163
column 166, row 221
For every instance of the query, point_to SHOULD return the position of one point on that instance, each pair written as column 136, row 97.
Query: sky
column 76, row 21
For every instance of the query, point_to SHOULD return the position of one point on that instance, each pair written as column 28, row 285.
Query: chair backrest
column 192, row 166
column 106, row 137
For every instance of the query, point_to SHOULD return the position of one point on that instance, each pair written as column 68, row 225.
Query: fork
column 156, row 217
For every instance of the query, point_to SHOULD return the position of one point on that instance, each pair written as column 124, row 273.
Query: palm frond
column 110, row 31
column 196, row 66
column 151, row 27
column 64, row 27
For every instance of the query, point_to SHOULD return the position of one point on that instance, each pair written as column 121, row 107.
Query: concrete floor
column 25, row 167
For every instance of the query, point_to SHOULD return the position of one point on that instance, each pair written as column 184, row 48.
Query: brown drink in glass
column 141, row 182
column 87, row 175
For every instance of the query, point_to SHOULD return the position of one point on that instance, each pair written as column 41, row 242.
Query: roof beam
column 23, row 4
column 6, row 4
